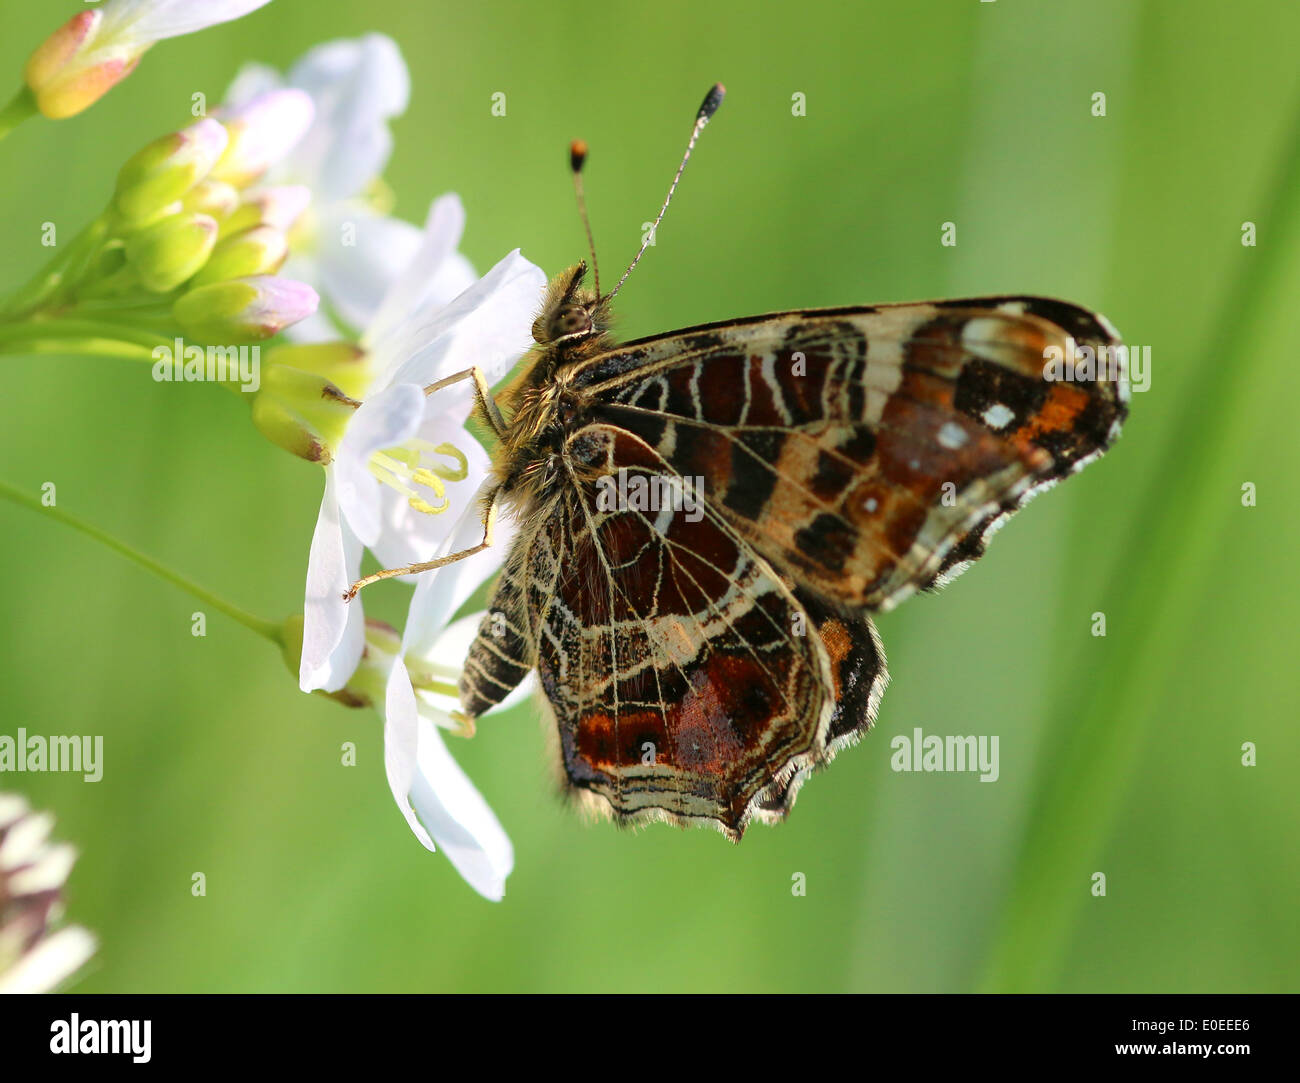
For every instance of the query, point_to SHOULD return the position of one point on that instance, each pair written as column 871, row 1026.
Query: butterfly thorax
column 543, row 406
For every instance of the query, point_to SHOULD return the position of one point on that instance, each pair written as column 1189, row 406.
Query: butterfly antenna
column 712, row 100
column 577, row 157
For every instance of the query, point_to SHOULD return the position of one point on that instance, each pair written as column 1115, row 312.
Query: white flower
column 98, row 48
column 414, row 686
column 347, row 248
column 34, row 959
column 403, row 477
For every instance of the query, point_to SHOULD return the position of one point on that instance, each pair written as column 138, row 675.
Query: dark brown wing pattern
column 699, row 670
column 868, row 452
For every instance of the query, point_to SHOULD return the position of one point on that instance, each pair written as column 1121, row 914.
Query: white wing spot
column 952, row 435
column 998, row 416
column 871, row 504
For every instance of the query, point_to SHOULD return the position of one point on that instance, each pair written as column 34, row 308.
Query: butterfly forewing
column 858, row 449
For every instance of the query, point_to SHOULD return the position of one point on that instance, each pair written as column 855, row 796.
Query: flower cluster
column 35, row 957
column 267, row 221
column 403, row 475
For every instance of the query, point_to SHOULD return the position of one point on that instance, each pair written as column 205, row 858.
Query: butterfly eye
column 569, row 320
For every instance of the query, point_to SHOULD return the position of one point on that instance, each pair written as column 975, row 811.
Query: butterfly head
column 571, row 313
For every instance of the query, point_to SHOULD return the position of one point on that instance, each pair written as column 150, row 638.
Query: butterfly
column 709, row 517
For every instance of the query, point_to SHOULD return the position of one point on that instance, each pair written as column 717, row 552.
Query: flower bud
column 263, row 131
column 254, row 252
column 278, row 207
column 95, row 50
column 344, row 364
column 69, row 71
column 302, row 412
column 215, row 198
column 244, row 309
column 170, row 252
column 168, row 168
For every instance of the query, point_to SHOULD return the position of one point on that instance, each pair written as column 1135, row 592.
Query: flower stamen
column 411, row 467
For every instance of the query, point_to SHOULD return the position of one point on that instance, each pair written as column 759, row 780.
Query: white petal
column 251, row 80
column 360, row 255
column 489, row 325
column 51, row 962
column 439, row 593
column 461, row 822
column 357, row 86
column 401, row 744
column 453, row 646
column 333, row 635
column 152, row 20
column 269, row 126
column 407, row 300
column 383, row 421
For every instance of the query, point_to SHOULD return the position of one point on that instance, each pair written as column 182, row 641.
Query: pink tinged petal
column 357, row 86
column 386, row 420
column 489, row 325
column 244, row 309
column 439, row 593
column 360, row 255
column 52, row 57
column 408, row 301
column 333, row 636
column 461, row 822
column 262, row 131
column 152, row 20
column 85, row 83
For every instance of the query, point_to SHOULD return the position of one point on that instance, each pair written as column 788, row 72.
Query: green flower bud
column 302, row 412
column 168, row 253
column 254, row 252
column 243, row 310
column 278, row 207
column 212, row 197
column 165, row 170
column 344, row 364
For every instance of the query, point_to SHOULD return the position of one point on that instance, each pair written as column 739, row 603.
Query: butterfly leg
column 482, row 394
column 489, row 524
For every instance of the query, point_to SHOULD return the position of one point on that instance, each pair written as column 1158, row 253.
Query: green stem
column 1087, row 778
column 64, row 267
column 22, row 106
column 34, row 335
column 265, row 628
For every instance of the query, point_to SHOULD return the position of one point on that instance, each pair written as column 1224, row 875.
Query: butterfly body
column 708, row 518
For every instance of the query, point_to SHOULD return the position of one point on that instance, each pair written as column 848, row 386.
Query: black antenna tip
column 577, row 155
column 712, row 100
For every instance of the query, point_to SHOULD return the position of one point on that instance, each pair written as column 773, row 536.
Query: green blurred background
column 1119, row 754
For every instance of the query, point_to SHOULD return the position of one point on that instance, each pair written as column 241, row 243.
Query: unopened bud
column 278, row 207
column 302, row 412
column 167, row 169
column 244, row 309
column 254, row 252
column 171, row 251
